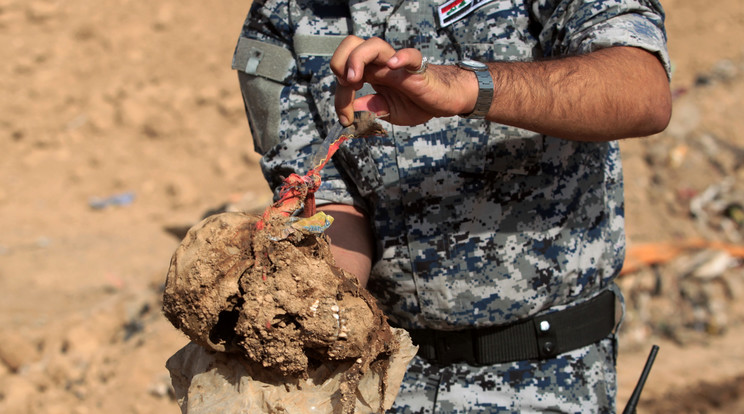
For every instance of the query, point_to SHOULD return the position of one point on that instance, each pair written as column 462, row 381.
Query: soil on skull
column 279, row 302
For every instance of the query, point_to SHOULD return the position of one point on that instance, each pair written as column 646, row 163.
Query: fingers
column 349, row 63
column 340, row 57
column 345, row 91
column 354, row 54
column 408, row 59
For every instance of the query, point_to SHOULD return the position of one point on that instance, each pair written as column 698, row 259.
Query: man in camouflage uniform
column 455, row 223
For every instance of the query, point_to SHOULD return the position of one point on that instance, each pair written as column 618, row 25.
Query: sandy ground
column 135, row 100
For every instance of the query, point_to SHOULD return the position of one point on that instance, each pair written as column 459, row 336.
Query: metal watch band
column 485, row 95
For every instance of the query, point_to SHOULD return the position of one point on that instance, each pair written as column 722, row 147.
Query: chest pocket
column 497, row 31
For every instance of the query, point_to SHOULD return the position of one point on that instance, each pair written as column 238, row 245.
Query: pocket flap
column 263, row 59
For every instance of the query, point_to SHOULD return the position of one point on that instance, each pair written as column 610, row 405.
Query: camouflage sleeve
column 571, row 27
column 283, row 117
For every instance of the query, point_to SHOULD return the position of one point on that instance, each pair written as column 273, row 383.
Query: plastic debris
column 121, row 199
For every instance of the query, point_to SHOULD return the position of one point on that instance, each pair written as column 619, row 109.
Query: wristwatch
column 485, row 88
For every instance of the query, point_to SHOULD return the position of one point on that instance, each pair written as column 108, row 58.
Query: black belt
column 539, row 337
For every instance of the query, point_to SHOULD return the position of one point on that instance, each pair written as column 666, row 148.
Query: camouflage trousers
column 580, row 381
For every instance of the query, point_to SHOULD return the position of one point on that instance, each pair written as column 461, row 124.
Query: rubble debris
column 716, row 208
column 683, row 291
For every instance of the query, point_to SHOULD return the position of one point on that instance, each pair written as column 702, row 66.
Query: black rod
column 630, row 408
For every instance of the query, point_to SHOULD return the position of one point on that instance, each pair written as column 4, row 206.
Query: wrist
column 468, row 87
column 478, row 102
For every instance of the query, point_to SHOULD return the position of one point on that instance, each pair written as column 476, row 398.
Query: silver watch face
column 472, row 65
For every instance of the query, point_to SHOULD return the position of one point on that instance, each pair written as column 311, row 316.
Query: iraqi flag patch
column 455, row 10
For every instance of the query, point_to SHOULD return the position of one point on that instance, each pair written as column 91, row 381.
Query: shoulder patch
column 455, row 10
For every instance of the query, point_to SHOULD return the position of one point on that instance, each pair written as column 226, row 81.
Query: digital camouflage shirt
column 476, row 223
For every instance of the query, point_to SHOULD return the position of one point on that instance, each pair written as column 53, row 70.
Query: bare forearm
column 609, row 94
column 351, row 240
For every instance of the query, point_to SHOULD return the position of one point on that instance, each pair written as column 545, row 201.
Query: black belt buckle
column 575, row 327
column 547, row 340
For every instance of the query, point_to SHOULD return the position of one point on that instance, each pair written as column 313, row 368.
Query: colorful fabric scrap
column 297, row 194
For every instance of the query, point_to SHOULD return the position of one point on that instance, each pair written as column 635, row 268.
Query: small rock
column 133, row 111
column 161, row 387
column 231, row 107
column 181, row 192
column 18, row 394
column 164, row 17
column 17, row 351
column 703, row 80
column 207, row 95
column 41, row 11
column 66, row 369
column 160, row 124
column 724, row 70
